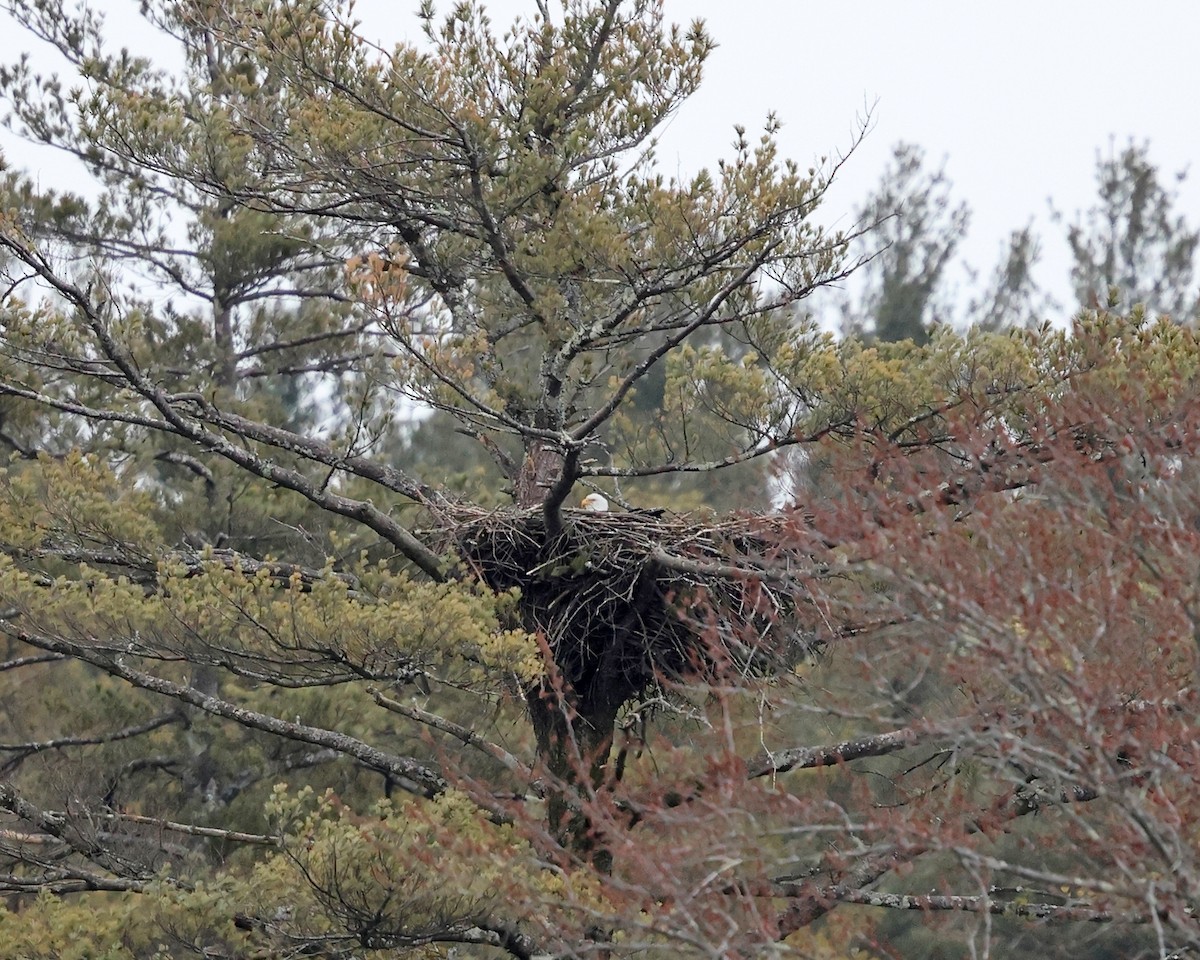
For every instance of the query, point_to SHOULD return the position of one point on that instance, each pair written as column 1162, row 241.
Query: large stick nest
column 627, row 600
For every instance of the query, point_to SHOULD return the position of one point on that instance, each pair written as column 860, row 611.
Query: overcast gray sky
column 1016, row 96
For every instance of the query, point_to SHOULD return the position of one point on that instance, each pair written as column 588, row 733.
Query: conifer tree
column 1133, row 243
column 276, row 683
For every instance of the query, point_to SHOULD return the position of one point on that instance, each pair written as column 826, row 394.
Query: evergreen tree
column 1013, row 297
column 916, row 228
column 1133, row 240
column 435, row 716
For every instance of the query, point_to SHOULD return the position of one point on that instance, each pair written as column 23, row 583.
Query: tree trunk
column 540, row 469
column 574, row 729
column 574, row 739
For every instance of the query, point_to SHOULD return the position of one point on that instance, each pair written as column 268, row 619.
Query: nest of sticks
column 627, row 601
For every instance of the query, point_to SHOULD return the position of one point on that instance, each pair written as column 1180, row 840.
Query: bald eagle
column 595, row 503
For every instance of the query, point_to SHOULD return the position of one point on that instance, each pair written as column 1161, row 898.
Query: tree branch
column 828, row 755
column 408, row 773
column 461, row 733
column 176, row 422
column 28, row 748
column 63, row 829
column 972, row 904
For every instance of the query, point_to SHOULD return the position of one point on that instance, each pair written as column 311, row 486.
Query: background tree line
column 1134, row 241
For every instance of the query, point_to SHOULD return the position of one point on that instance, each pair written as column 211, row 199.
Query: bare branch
column 828, row 755
column 459, row 732
column 61, row 743
column 998, row 906
column 409, row 773
column 65, row 830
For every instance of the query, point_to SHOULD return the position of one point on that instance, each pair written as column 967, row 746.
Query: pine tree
column 277, row 682
column 1133, row 243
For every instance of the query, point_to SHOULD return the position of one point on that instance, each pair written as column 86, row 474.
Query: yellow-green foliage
column 78, row 509
column 884, row 386
column 54, row 928
column 418, row 866
column 1154, row 357
column 74, row 502
column 414, row 866
column 221, row 611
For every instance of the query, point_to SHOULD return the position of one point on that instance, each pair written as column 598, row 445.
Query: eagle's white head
column 595, row 503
